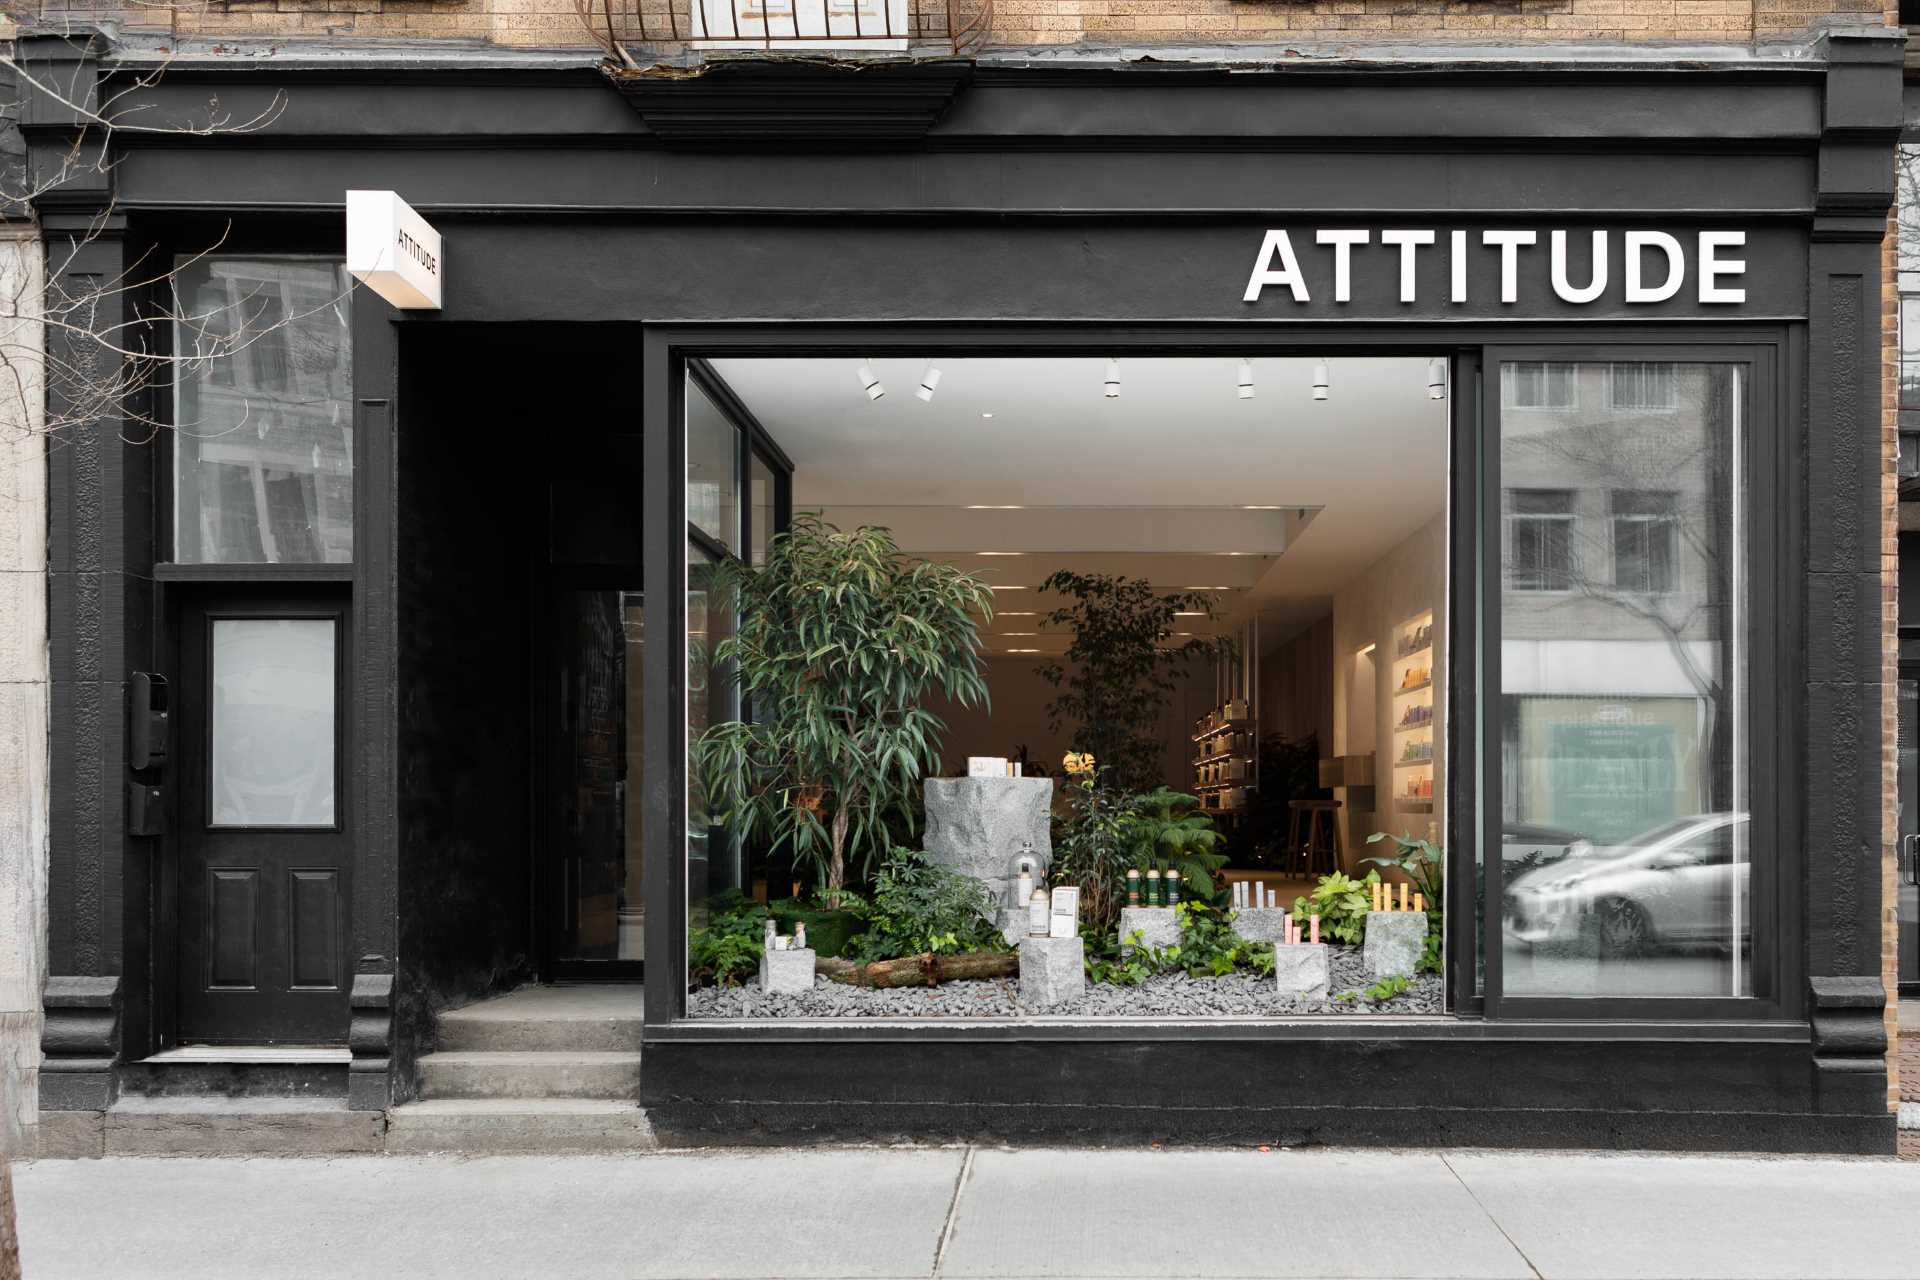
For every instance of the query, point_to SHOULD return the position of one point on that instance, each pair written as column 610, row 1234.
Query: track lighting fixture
column 870, row 381
column 1246, row 380
column 1320, row 382
column 1436, row 380
column 1113, row 379
column 929, row 379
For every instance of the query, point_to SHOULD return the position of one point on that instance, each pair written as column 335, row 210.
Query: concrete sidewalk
column 972, row 1212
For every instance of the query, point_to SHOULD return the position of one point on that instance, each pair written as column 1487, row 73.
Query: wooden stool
column 1321, row 848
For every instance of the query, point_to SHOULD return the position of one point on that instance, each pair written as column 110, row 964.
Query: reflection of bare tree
column 1684, row 451
column 98, row 359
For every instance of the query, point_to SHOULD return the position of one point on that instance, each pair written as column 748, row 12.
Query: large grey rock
column 785, row 973
column 1013, row 922
column 1052, row 971
column 1394, row 942
column 1159, row 927
column 1262, row 924
column 982, row 827
column 1300, row 970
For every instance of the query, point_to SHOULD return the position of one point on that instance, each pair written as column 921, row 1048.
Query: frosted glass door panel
column 273, row 722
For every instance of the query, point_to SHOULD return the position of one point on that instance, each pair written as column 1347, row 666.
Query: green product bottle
column 1133, row 888
column 1155, row 895
column 1170, row 885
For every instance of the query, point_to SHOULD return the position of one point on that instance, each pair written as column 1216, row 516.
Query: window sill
column 171, row 572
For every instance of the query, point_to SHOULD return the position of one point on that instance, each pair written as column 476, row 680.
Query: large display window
column 1177, row 633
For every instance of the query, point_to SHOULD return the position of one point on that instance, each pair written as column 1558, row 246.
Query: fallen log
column 925, row 970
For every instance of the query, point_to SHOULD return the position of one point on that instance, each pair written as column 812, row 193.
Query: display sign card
column 987, row 766
column 1065, row 919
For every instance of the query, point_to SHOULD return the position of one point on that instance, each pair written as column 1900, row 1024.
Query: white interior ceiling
column 1019, row 467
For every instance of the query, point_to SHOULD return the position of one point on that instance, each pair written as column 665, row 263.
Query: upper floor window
column 1643, row 385
column 1644, row 540
column 1539, row 385
column 1540, row 526
column 263, row 427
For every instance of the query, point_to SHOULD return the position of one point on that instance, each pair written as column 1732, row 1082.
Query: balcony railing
column 907, row 26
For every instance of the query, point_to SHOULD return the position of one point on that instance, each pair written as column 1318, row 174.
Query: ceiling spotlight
column 1000, row 553
column 1320, row 382
column 1436, row 380
column 929, row 379
column 1113, row 379
column 1016, row 613
column 870, row 382
column 1023, row 651
column 986, row 415
column 1246, row 379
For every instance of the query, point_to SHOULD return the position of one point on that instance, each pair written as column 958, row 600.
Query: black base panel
column 1677, row 1094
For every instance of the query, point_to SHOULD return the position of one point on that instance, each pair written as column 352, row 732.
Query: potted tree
column 840, row 637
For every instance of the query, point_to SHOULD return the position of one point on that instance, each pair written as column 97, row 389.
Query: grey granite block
column 1159, row 927
column 1394, row 942
column 786, row 972
column 1052, row 971
column 1262, row 924
column 982, row 827
column 1300, row 970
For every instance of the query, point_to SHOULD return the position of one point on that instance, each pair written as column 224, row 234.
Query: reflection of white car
column 1673, row 886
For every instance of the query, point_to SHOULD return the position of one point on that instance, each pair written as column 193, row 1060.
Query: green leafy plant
column 919, row 906
column 1126, row 963
column 1425, row 864
column 1119, row 668
column 1092, row 849
column 1208, row 948
column 840, row 637
column 1167, row 831
column 1421, row 860
column 1342, row 903
column 728, row 948
column 1380, row 992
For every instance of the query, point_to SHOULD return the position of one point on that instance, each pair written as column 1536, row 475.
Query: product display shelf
column 1414, row 722
column 1225, row 764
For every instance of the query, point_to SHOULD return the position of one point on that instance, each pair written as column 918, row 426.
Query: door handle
column 1910, row 859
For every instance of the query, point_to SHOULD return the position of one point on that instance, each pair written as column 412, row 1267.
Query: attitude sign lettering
column 1651, row 266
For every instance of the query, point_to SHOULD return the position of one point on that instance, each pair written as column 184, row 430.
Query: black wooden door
column 264, row 842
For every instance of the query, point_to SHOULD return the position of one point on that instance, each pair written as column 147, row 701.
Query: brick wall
column 551, row 23
column 1890, row 645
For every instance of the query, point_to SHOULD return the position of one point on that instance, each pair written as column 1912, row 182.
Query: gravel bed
column 1172, row 995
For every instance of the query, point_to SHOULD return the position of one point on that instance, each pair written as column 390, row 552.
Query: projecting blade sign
column 393, row 250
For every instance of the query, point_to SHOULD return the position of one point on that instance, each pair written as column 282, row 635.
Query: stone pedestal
column 1263, row 924
column 786, row 973
column 1052, row 971
column 1394, row 942
column 1300, row 970
column 1158, row 927
column 981, row 827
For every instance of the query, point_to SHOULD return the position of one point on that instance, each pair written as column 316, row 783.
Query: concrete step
column 481, row 1125
column 521, row 1074
column 603, row 1018
column 221, row 1126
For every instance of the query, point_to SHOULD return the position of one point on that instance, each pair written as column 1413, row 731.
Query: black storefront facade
column 602, row 236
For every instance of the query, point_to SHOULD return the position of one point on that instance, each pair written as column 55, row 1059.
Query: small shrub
column 1342, row 904
column 919, row 906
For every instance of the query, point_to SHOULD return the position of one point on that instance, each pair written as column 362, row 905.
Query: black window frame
column 1472, row 814
column 1769, row 476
